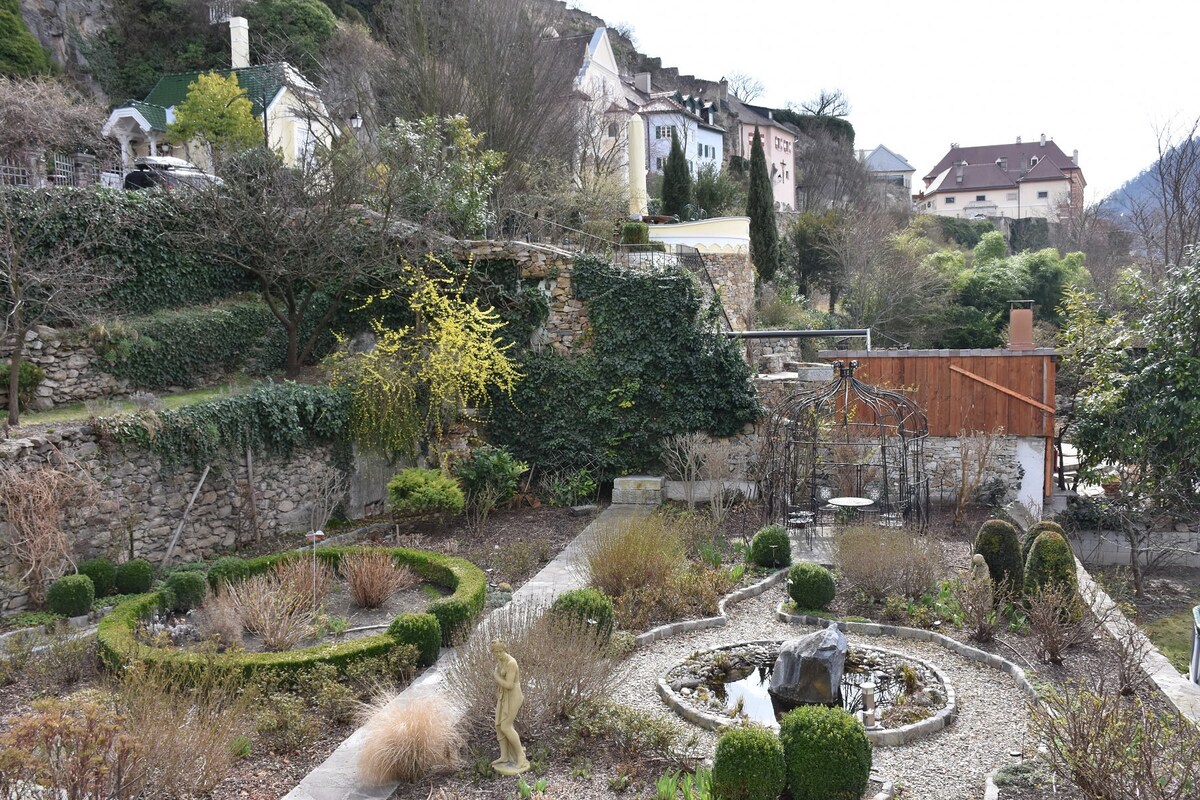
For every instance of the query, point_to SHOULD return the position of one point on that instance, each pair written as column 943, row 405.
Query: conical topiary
column 1032, row 534
column 999, row 545
column 1051, row 563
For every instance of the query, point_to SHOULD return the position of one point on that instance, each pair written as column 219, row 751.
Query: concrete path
column 337, row 777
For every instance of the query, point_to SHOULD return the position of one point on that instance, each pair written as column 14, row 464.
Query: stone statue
column 980, row 574
column 512, row 760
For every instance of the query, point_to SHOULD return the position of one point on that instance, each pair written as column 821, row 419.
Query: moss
column 1051, row 563
column 1032, row 534
column 997, row 542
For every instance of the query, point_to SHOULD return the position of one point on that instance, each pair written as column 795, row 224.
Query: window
column 663, row 131
column 699, row 149
column 659, row 164
column 1011, row 197
column 1033, row 161
column 1043, row 195
column 980, row 198
column 950, row 200
column 777, row 143
column 613, row 130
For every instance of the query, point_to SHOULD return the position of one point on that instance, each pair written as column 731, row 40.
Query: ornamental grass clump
column 827, row 753
column 998, row 543
column 810, row 586
column 373, row 576
column 279, row 606
column 410, row 741
column 770, row 547
column 748, row 765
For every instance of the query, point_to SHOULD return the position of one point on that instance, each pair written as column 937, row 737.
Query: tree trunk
column 1135, row 564
column 14, row 370
column 293, row 351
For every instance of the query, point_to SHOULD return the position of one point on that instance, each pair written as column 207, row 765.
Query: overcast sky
column 1095, row 76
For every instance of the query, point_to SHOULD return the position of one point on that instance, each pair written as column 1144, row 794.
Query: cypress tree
column 677, row 181
column 760, row 208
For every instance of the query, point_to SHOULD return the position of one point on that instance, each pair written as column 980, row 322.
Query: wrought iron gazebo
column 858, row 445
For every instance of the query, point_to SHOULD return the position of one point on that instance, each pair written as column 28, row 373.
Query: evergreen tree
column 20, row 53
column 216, row 111
column 677, row 181
column 760, row 208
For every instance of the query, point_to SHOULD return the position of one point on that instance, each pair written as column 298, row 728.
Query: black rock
column 809, row 670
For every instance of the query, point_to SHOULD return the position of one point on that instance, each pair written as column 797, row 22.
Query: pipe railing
column 836, row 333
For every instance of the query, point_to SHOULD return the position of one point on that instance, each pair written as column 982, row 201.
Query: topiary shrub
column 103, row 574
column 748, row 765
column 135, row 577
column 999, row 545
column 71, row 595
column 187, row 590
column 635, row 233
column 424, row 491
column 810, row 586
column 826, row 752
column 1051, row 563
column 588, row 607
column 227, row 569
column 1032, row 534
column 422, row 631
column 771, row 547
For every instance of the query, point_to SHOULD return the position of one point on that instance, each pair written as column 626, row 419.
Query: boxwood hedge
column 455, row 613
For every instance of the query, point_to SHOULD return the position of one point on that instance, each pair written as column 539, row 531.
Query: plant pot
column 1111, row 488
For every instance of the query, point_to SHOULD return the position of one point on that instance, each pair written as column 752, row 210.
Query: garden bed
column 1165, row 612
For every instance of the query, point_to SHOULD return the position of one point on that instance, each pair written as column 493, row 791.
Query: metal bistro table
column 851, row 506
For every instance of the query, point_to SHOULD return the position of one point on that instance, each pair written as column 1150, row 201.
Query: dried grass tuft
column 279, row 606
column 374, row 576
column 881, row 561
column 407, row 743
column 219, row 620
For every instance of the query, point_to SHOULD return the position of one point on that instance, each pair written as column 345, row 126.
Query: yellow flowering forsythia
column 419, row 379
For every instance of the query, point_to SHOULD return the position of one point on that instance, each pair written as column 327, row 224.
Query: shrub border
column 455, row 613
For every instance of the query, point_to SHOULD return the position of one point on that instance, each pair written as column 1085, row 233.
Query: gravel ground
column 948, row 765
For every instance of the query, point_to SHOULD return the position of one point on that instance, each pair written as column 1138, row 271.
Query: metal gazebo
column 858, row 445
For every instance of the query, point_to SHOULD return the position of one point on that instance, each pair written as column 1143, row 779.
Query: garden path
column 336, row 778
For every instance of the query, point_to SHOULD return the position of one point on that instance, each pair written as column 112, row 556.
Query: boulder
column 808, row 670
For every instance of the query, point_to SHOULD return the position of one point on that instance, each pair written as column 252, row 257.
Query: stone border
column 719, row 621
column 990, row 790
column 921, row 635
column 887, row 737
column 888, row 792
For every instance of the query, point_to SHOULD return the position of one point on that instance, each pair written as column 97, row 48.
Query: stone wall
column 71, row 366
column 732, row 274
column 138, row 504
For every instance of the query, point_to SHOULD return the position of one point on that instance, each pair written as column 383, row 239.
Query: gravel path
column 948, row 765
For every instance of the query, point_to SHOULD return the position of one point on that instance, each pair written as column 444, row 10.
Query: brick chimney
column 1020, row 325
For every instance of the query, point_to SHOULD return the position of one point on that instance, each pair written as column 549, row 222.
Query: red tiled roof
column 1018, row 156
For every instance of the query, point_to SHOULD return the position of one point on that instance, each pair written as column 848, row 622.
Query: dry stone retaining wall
column 71, row 365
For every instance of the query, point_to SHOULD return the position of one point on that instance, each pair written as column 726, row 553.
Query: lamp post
column 314, row 537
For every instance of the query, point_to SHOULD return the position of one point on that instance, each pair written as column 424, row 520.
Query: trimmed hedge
column 134, row 577
column 827, row 753
column 103, row 574
column 771, row 547
column 424, row 491
column 1051, row 563
column 1032, row 534
column 810, row 586
column 71, row 595
column 586, row 606
column 422, row 631
column 454, row 613
column 998, row 543
column 187, row 590
column 227, row 569
column 748, row 765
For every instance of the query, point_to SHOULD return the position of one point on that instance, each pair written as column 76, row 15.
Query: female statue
column 512, row 760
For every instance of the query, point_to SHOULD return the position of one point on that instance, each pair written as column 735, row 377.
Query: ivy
column 657, row 367
column 275, row 419
column 181, row 348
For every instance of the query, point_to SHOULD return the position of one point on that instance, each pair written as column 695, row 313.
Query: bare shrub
column 411, row 741
column 977, row 599
column 279, row 606
column 67, row 660
column 1114, row 748
column 187, row 728
column 35, row 501
column 219, row 620
column 683, row 458
column 295, row 578
column 374, row 577
column 1127, row 652
column 567, row 661
column 975, row 462
column 147, row 401
column 882, row 561
column 715, row 471
column 1059, row 621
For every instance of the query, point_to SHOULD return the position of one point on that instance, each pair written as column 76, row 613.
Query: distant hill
column 1140, row 189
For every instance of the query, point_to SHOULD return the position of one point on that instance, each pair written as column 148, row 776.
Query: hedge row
column 455, row 613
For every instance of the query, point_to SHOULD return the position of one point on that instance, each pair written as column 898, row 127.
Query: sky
column 1100, row 77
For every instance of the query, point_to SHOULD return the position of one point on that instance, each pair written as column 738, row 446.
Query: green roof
column 261, row 83
column 155, row 115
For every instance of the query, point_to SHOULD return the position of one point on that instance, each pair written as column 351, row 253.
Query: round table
column 851, row 502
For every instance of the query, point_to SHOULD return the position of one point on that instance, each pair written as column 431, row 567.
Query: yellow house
column 294, row 118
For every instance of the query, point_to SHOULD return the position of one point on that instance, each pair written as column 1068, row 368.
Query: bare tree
column 42, row 114
column 48, row 277
column 1168, row 220
column 745, row 87
column 828, row 176
column 828, row 103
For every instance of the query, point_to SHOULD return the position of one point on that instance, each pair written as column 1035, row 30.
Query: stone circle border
column 719, row 621
column 888, row 737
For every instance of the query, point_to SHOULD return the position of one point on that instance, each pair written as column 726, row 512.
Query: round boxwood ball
column 810, row 586
column 771, row 547
column 422, row 631
column 187, row 590
column 827, row 753
column 1051, row 563
column 227, row 569
column 135, row 577
column 71, row 595
column 103, row 574
column 998, row 543
column 586, row 606
column 1032, row 534
column 748, row 765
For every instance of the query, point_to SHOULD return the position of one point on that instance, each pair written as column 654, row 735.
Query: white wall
column 1004, row 201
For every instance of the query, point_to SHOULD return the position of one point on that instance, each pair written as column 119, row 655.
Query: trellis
column 846, row 439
